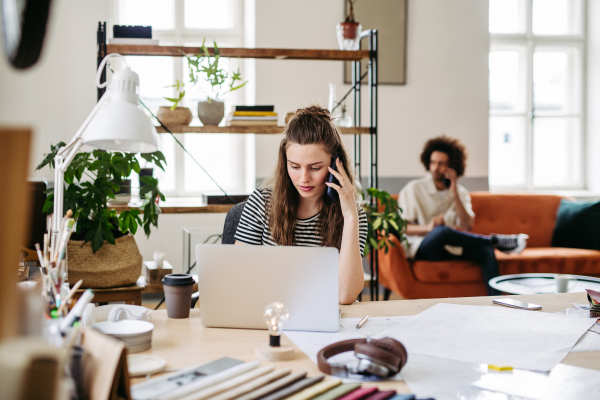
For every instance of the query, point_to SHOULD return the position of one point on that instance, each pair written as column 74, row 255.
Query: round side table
column 541, row 283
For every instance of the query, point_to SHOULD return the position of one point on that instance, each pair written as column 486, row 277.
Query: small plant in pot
column 348, row 32
column 384, row 219
column 205, row 71
column 102, row 250
column 175, row 115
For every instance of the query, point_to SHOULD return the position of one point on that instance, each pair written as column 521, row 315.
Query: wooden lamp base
column 270, row 353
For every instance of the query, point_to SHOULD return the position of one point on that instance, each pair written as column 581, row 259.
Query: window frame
column 531, row 42
column 181, row 36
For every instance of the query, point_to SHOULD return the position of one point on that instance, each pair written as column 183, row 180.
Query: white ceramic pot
column 211, row 113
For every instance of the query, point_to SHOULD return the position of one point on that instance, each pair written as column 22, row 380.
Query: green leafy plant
column 179, row 86
column 204, row 67
column 383, row 223
column 93, row 178
column 350, row 14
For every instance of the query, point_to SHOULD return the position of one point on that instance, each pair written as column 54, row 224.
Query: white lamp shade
column 121, row 126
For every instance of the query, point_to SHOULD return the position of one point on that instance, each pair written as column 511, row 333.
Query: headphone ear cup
column 393, row 346
column 387, row 351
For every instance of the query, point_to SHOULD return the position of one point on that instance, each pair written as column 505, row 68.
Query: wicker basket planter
column 111, row 266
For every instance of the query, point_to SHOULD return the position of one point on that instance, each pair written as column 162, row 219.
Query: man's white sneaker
column 510, row 243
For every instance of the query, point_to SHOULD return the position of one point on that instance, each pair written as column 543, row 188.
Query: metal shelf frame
column 355, row 57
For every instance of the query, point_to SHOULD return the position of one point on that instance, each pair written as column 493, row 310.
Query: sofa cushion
column 550, row 260
column 577, row 225
column 533, row 214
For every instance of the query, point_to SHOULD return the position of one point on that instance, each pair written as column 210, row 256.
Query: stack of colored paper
column 594, row 300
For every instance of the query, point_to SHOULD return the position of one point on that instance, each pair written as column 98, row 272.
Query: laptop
column 236, row 282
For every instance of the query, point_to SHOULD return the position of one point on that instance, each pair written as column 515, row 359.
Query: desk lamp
column 115, row 124
column 275, row 316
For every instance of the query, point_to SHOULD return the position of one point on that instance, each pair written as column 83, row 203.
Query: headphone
column 380, row 357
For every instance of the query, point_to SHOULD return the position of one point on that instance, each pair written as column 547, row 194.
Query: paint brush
column 63, row 228
column 41, row 258
column 68, row 296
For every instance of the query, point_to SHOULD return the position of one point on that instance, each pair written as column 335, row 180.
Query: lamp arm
column 62, row 160
column 85, row 124
column 61, row 164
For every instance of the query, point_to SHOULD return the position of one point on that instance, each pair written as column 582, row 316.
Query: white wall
column 447, row 78
column 56, row 95
column 446, row 90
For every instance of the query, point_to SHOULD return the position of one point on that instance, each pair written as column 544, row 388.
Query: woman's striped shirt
column 254, row 224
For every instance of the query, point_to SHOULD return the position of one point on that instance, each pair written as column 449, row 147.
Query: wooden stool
column 129, row 294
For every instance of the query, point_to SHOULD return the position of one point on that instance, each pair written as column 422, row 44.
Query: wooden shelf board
column 277, row 54
column 180, row 209
column 269, row 130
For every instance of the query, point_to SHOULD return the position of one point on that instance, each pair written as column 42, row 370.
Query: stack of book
column 252, row 115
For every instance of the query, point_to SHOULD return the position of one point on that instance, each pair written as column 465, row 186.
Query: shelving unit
column 261, row 130
column 371, row 54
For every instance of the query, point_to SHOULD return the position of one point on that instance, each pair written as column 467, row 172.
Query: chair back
column 231, row 223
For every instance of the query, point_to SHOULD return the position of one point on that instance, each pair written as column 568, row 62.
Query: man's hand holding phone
column 450, row 179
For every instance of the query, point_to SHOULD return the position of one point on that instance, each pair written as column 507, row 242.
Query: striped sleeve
column 252, row 222
column 363, row 229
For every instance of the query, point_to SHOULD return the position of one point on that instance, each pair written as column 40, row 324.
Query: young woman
column 293, row 209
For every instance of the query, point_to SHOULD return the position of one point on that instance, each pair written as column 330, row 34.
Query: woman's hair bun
column 316, row 111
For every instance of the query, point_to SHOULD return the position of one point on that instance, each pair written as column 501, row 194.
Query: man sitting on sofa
column 439, row 214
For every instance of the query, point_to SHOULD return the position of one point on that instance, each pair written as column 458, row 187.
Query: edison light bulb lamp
column 275, row 316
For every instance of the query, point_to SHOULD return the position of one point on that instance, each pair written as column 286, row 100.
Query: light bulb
column 275, row 316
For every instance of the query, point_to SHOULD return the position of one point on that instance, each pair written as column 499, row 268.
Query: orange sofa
column 532, row 214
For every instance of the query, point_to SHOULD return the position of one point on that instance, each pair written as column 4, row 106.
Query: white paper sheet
column 311, row 342
column 580, row 312
column 564, row 382
column 490, row 335
column 590, row 341
column 581, row 306
column 574, row 383
column 373, row 326
column 432, row 377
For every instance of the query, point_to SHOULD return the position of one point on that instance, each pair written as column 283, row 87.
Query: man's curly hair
column 456, row 151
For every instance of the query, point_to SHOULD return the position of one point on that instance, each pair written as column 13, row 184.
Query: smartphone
column 517, row 304
column 447, row 182
column 331, row 192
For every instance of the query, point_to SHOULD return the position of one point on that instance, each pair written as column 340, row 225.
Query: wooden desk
column 129, row 294
column 185, row 342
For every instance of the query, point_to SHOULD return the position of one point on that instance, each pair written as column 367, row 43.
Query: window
column 536, row 99
column 187, row 23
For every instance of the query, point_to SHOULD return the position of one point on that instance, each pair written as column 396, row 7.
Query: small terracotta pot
column 350, row 30
column 178, row 116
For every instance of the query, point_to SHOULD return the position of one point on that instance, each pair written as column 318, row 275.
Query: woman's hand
column 345, row 190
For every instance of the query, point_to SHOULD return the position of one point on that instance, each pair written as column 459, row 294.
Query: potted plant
column 348, row 32
column 384, row 219
column 175, row 115
column 204, row 67
column 102, row 250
